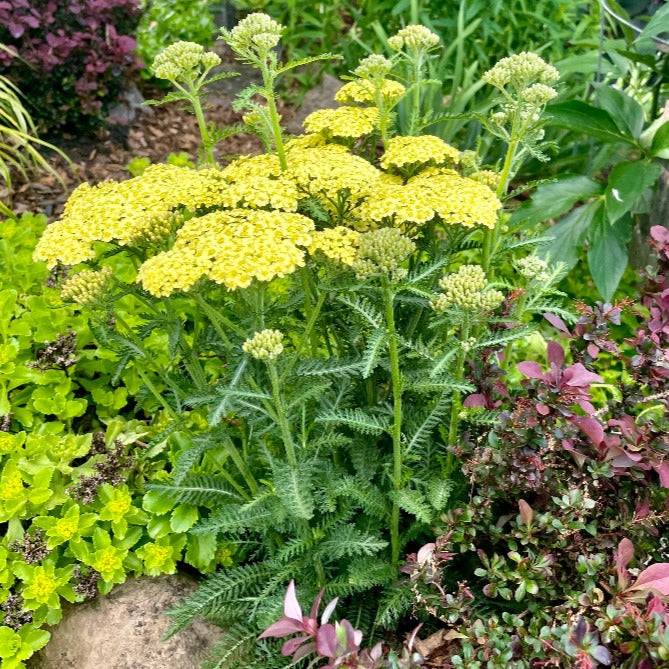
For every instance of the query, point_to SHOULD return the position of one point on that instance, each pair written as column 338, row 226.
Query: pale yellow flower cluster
column 345, row 122
column 257, row 182
column 433, row 192
column 231, row 248
column 122, row 211
column 333, row 175
column 362, row 91
column 340, row 244
column 404, row 151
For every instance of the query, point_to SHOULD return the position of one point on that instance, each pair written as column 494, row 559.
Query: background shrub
column 74, row 58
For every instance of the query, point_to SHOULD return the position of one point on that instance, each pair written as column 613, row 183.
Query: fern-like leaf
column 356, row 419
column 207, row 491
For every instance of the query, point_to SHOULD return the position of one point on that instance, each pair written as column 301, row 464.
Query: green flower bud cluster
column 486, row 177
column 469, row 159
column 264, row 345
column 374, row 67
column 415, row 38
column 466, row 289
column 158, row 229
column 181, row 59
column 381, row 252
column 87, row 287
column 532, row 267
column 538, row 94
column 257, row 32
column 521, row 71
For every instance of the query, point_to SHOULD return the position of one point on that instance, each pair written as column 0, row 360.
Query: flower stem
column 268, row 82
column 456, row 400
column 280, row 410
column 396, row 377
column 207, row 146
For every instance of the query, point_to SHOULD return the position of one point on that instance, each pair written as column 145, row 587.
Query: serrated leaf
column 356, row 419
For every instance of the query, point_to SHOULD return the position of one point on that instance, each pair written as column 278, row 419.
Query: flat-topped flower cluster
column 250, row 220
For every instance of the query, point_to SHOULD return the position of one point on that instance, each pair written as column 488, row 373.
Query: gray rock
column 320, row 97
column 124, row 630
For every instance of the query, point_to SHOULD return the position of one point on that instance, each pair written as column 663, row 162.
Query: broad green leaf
column 569, row 234
column 660, row 140
column 183, row 518
column 657, row 25
column 627, row 183
column 607, row 255
column 625, row 111
column 554, row 199
column 582, row 117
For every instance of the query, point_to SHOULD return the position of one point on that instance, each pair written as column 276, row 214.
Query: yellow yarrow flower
column 362, row 92
column 231, row 248
column 405, row 151
column 333, row 175
column 339, row 243
column 123, row 211
column 346, row 122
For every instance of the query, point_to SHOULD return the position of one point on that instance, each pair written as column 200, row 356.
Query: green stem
column 280, row 410
column 456, row 401
column 415, row 106
column 207, row 144
column 306, row 337
column 217, row 318
column 396, row 377
column 156, row 393
column 241, row 465
column 268, row 82
column 491, row 235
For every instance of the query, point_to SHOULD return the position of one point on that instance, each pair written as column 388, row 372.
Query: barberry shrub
column 73, row 59
column 559, row 557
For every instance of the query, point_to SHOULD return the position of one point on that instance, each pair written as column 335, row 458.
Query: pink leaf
column 578, row 456
column 557, row 322
column 542, row 409
column 530, row 369
column 328, row 611
column 578, row 375
column 663, row 472
column 425, row 553
column 281, row 628
column 591, row 427
column 476, row 400
column 593, row 350
column 655, row 578
column 555, row 354
column 291, row 607
column 623, row 556
column 317, row 602
column 292, row 645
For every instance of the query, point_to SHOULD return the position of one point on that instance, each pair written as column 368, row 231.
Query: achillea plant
column 320, row 302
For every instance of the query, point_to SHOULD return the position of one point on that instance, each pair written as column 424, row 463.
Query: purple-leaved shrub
column 71, row 59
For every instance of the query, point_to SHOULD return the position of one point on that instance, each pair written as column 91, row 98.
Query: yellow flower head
column 231, row 248
column 345, row 122
column 87, row 286
column 404, row 151
column 124, row 211
column 332, row 174
column 340, row 243
column 362, row 91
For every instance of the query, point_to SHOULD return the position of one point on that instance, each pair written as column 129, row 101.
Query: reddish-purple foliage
column 338, row 642
column 71, row 59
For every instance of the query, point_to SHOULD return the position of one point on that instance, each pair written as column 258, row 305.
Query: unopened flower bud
column 264, row 345
column 86, row 287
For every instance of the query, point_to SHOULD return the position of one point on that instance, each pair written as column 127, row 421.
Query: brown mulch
column 155, row 133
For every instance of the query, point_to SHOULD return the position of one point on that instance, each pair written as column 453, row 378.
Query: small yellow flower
column 345, row 122
column 404, row 151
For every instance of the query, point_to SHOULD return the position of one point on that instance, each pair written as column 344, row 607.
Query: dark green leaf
column 625, row 111
column 569, row 233
column 657, row 25
column 627, row 183
column 607, row 255
column 582, row 117
column 555, row 198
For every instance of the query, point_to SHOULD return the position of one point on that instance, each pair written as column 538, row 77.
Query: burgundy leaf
column 663, row 472
column 526, row 513
column 591, row 427
column 593, row 350
column 292, row 645
column 281, row 628
column 475, row 400
column 578, row 375
column 555, row 354
column 557, row 322
column 623, row 556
